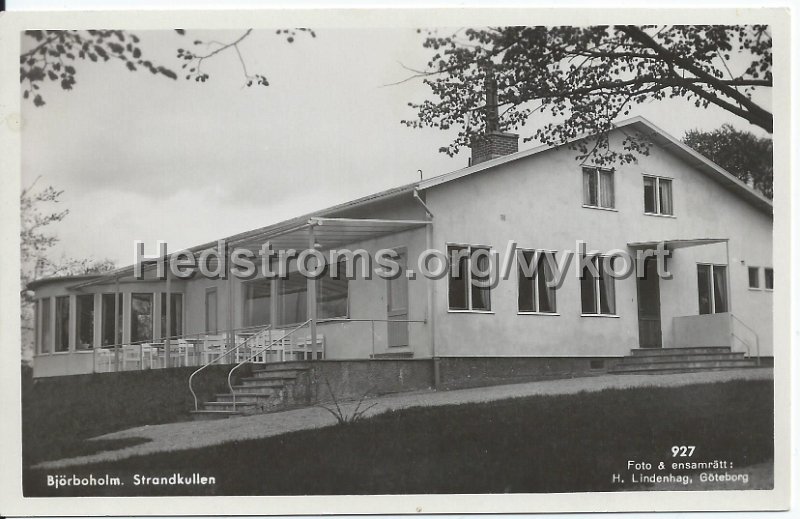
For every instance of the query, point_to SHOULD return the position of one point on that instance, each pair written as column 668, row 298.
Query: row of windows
column 535, row 275
column 56, row 332
column 754, row 277
column 598, row 191
column 535, row 293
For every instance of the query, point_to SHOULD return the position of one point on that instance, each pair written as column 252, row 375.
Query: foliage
column 55, row 54
column 36, row 217
column 586, row 77
column 741, row 153
column 343, row 417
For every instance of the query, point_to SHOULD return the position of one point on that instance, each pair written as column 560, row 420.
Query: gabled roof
column 640, row 124
column 645, row 127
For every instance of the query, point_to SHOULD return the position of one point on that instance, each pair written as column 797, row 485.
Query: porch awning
column 329, row 233
column 675, row 244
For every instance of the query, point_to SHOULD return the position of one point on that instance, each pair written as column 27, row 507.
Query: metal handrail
column 259, row 352
column 747, row 345
column 230, row 350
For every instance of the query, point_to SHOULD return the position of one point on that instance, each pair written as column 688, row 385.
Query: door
column 397, row 305
column 649, row 295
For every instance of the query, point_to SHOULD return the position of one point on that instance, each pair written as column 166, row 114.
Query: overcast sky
column 143, row 157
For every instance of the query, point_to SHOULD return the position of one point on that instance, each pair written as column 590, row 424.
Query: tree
column 36, row 215
column 746, row 156
column 586, row 77
column 54, row 54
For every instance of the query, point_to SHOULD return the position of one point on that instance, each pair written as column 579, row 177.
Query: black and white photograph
column 401, row 253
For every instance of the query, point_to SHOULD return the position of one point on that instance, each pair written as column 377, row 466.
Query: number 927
column 682, row 451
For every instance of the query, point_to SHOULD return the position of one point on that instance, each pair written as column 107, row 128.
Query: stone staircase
column 680, row 360
column 273, row 387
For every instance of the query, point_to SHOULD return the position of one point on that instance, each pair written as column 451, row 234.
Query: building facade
column 718, row 232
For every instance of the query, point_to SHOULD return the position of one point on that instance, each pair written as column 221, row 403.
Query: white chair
column 301, row 349
column 103, row 360
column 132, row 354
column 213, row 347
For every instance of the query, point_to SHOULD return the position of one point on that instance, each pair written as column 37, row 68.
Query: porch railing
column 736, row 337
column 372, row 322
column 267, row 330
column 259, row 351
column 152, row 354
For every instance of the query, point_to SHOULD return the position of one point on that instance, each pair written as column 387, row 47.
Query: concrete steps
column 681, row 360
column 265, row 390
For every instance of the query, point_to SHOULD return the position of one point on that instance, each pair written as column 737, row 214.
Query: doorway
column 649, row 296
column 397, row 304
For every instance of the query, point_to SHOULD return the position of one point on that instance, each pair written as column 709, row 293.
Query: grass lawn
column 563, row 443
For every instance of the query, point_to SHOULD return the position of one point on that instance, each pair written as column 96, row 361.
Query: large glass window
column 257, row 302
column 598, row 293
column 84, row 310
column 45, row 333
column 712, row 288
column 658, row 195
column 175, row 315
column 211, row 311
column 534, row 294
column 62, row 323
column 469, row 278
column 111, row 321
column 598, row 187
column 141, row 317
column 332, row 293
column 332, row 296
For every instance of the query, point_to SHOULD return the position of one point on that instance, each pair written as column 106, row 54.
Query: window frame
column 41, row 343
column 469, row 309
column 56, row 299
column 757, row 278
column 769, row 288
column 597, row 170
column 535, row 285
column 207, row 330
column 657, row 187
column 712, row 291
column 77, row 330
column 596, row 292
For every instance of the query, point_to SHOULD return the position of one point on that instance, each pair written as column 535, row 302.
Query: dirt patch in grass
column 561, row 443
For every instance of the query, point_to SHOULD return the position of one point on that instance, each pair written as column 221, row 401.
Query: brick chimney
column 493, row 143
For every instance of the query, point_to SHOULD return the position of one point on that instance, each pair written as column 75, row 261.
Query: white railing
column 372, row 322
column 736, row 337
column 185, row 350
column 234, row 349
column 258, row 352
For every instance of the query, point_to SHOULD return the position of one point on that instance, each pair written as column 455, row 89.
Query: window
column 257, row 302
column 468, row 290
column 84, row 310
column 45, row 334
column 141, row 317
column 332, row 294
column 110, row 320
column 534, row 295
column 175, row 315
column 598, row 294
column 768, row 278
column 658, row 196
column 62, row 323
column 712, row 288
column 752, row 276
column 211, row 310
column 598, row 187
